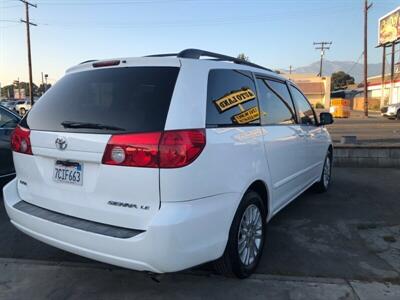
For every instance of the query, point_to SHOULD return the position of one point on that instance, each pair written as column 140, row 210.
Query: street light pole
column 45, row 77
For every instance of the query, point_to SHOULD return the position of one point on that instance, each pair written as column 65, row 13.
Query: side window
column 282, row 89
column 7, row 120
column 306, row 113
column 274, row 110
column 231, row 98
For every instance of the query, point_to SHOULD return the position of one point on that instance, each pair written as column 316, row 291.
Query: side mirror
column 325, row 118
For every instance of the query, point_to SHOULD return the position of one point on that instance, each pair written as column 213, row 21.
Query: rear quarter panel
column 232, row 159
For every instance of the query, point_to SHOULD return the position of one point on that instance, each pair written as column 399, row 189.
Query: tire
column 242, row 265
column 398, row 115
column 323, row 184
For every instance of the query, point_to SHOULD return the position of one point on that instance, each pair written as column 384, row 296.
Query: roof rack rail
column 88, row 61
column 197, row 53
column 162, row 55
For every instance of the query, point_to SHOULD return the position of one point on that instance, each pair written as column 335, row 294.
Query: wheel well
column 260, row 187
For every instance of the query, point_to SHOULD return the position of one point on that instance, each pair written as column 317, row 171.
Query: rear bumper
column 181, row 234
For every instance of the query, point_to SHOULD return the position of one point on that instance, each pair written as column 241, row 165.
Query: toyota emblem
column 61, row 143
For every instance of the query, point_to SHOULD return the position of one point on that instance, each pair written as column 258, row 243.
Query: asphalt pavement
column 319, row 235
column 372, row 130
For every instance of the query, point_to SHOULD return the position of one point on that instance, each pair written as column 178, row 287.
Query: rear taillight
column 20, row 140
column 135, row 150
column 106, row 63
column 168, row 149
column 178, row 148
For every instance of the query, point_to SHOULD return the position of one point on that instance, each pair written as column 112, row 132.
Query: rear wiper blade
column 72, row 124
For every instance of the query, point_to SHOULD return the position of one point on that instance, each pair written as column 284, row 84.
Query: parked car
column 9, row 104
column 23, row 107
column 8, row 122
column 166, row 162
column 391, row 111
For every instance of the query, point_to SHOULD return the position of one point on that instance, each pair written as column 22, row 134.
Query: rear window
column 114, row 100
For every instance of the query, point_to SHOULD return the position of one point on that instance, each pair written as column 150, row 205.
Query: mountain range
column 353, row 68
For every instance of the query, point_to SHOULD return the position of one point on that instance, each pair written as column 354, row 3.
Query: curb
column 42, row 279
column 195, row 273
column 367, row 156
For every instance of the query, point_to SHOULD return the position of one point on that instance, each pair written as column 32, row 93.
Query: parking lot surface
column 41, row 281
column 374, row 130
column 350, row 232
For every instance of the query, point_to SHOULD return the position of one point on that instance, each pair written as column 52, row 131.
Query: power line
column 11, row 6
column 108, row 2
column 357, row 61
column 10, row 21
column 96, row 3
column 322, row 46
column 8, row 26
column 139, row 2
column 191, row 22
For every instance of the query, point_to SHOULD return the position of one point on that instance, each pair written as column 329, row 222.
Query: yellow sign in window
column 235, row 98
column 247, row 116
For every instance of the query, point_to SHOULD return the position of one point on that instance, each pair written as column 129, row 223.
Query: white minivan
column 166, row 162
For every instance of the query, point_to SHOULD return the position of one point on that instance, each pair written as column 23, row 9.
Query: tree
column 8, row 90
column 341, row 80
column 43, row 88
column 243, row 57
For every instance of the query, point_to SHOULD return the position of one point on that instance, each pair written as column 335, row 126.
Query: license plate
column 68, row 172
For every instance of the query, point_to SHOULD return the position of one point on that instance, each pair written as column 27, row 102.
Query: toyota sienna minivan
column 165, row 162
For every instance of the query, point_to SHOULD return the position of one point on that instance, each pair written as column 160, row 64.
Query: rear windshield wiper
column 72, row 124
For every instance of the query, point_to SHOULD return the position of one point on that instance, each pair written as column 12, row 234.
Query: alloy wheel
column 327, row 171
column 250, row 235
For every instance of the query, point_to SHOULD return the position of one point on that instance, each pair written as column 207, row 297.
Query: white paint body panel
column 180, row 235
column 284, row 146
column 191, row 208
column 232, row 159
column 101, row 183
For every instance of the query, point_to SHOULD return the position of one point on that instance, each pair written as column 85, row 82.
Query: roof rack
column 88, row 61
column 197, row 53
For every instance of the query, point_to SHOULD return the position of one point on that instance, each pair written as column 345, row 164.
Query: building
column 390, row 90
column 317, row 89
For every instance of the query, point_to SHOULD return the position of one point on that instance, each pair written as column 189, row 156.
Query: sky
column 273, row 33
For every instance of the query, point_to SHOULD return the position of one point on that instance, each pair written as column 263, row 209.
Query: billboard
column 389, row 27
column 19, row 94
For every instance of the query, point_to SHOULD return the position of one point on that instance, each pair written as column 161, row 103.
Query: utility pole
column 19, row 89
column 392, row 73
column 28, row 39
column 366, row 8
column 322, row 46
column 383, row 75
column 42, row 84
